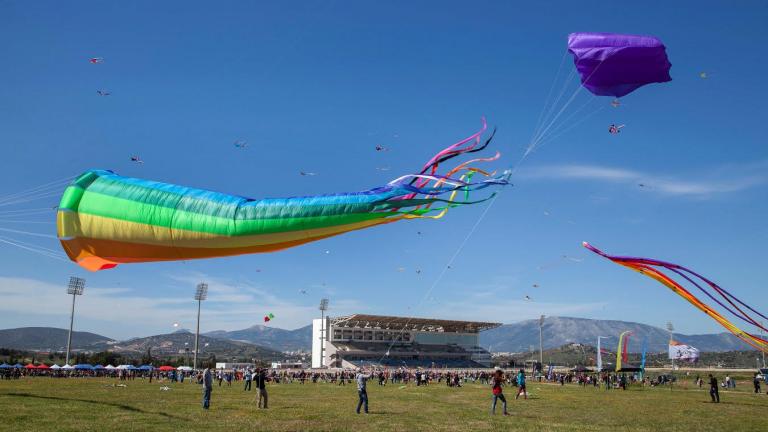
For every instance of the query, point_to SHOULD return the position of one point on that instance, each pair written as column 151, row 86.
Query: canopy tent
column 5, row 366
column 55, row 367
column 30, row 366
column 184, row 368
column 131, row 367
column 109, row 366
column 166, row 368
column 18, row 366
column 43, row 366
column 98, row 367
column 68, row 367
column 83, row 366
column 145, row 368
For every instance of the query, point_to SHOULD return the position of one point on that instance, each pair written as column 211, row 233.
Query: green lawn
column 45, row 404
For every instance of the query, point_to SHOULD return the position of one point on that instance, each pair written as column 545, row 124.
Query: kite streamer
column 105, row 219
column 726, row 300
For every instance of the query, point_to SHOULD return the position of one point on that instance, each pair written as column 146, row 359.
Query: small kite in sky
column 303, row 292
column 241, row 144
column 382, row 168
column 103, row 93
column 527, row 298
column 418, row 271
column 136, row 159
column 176, row 324
column 96, row 60
column 546, row 213
column 401, row 269
column 306, row 173
column 269, row 317
column 615, row 103
column 380, row 148
column 535, row 285
column 703, row 75
column 614, row 129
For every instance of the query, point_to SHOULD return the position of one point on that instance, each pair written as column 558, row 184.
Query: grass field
column 91, row 404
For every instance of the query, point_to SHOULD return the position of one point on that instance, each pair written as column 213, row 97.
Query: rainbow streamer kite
column 105, row 219
column 736, row 307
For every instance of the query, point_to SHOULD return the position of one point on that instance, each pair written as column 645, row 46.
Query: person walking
column 756, row 382
column 260, row 378
column 521, row 385
column 713, row 390
column 362, row 392
column 207, row 387
column 498, row 393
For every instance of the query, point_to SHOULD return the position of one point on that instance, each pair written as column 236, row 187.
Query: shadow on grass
column 116, row 405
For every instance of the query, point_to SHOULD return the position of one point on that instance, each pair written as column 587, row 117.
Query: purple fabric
column 613, row 64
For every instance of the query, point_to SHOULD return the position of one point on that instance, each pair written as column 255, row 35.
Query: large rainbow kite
column 729, row 302
column 105, row 219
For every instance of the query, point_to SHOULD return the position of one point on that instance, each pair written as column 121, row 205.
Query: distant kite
column 105, row 219
column 305, row 173
column 103, row 93
column 96, row 60
column 269, row 317
column 136, row 159
column 380, row 148
column 614, row 129
column 241, row 144
column 727, row 301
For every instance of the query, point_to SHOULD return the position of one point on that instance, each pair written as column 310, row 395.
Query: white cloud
column 120, row 312
column 723, row 180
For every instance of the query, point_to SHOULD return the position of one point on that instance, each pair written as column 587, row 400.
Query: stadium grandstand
column 375, row 340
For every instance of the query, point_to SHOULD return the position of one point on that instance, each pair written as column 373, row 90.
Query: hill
column 559, row 331
column 177, row 344
column 270, row 337
column 48, row 339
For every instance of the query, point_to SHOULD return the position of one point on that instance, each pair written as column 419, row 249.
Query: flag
column 679, row 351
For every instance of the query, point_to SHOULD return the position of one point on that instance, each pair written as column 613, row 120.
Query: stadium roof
column 409, row 323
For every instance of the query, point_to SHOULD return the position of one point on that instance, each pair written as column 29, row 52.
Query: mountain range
column 559, row 331
column 267, row 342
column 270, row 337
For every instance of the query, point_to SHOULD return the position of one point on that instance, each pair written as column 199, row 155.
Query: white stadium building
column 375, row 340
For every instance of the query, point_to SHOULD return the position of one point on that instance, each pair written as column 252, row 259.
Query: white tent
column 184, row 368
column 109, row 367
column 55, row 367
column 68, row 367
column 122, row 367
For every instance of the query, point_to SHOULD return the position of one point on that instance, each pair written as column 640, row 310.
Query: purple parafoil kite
column 612, row 64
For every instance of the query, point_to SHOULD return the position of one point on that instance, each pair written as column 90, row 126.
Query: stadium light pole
column 75, row 287
column 201, row 293
column 323, row 307
column 671, row 329
column 541, row 342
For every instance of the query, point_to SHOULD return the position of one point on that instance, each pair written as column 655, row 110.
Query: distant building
column 363, row 340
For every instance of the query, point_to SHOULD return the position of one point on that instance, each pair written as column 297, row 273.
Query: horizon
column 315, row 87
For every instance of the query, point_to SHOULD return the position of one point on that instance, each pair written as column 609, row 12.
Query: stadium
column 376, row 340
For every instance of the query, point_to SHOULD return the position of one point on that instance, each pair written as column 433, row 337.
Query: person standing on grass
column 362, row 391
column 247, row 379
column 713, row 390
column 207, row 387
column 498, row 393
column 521, row 385
column 261, row 384
column 756, row 382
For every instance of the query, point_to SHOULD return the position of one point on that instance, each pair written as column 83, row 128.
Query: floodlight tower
column 671, row 329
column 541, row 342
column 75, row 287
column 323, row 307
column 201, row 293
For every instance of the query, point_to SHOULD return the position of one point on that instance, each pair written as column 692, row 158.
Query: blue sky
column 315, row 86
